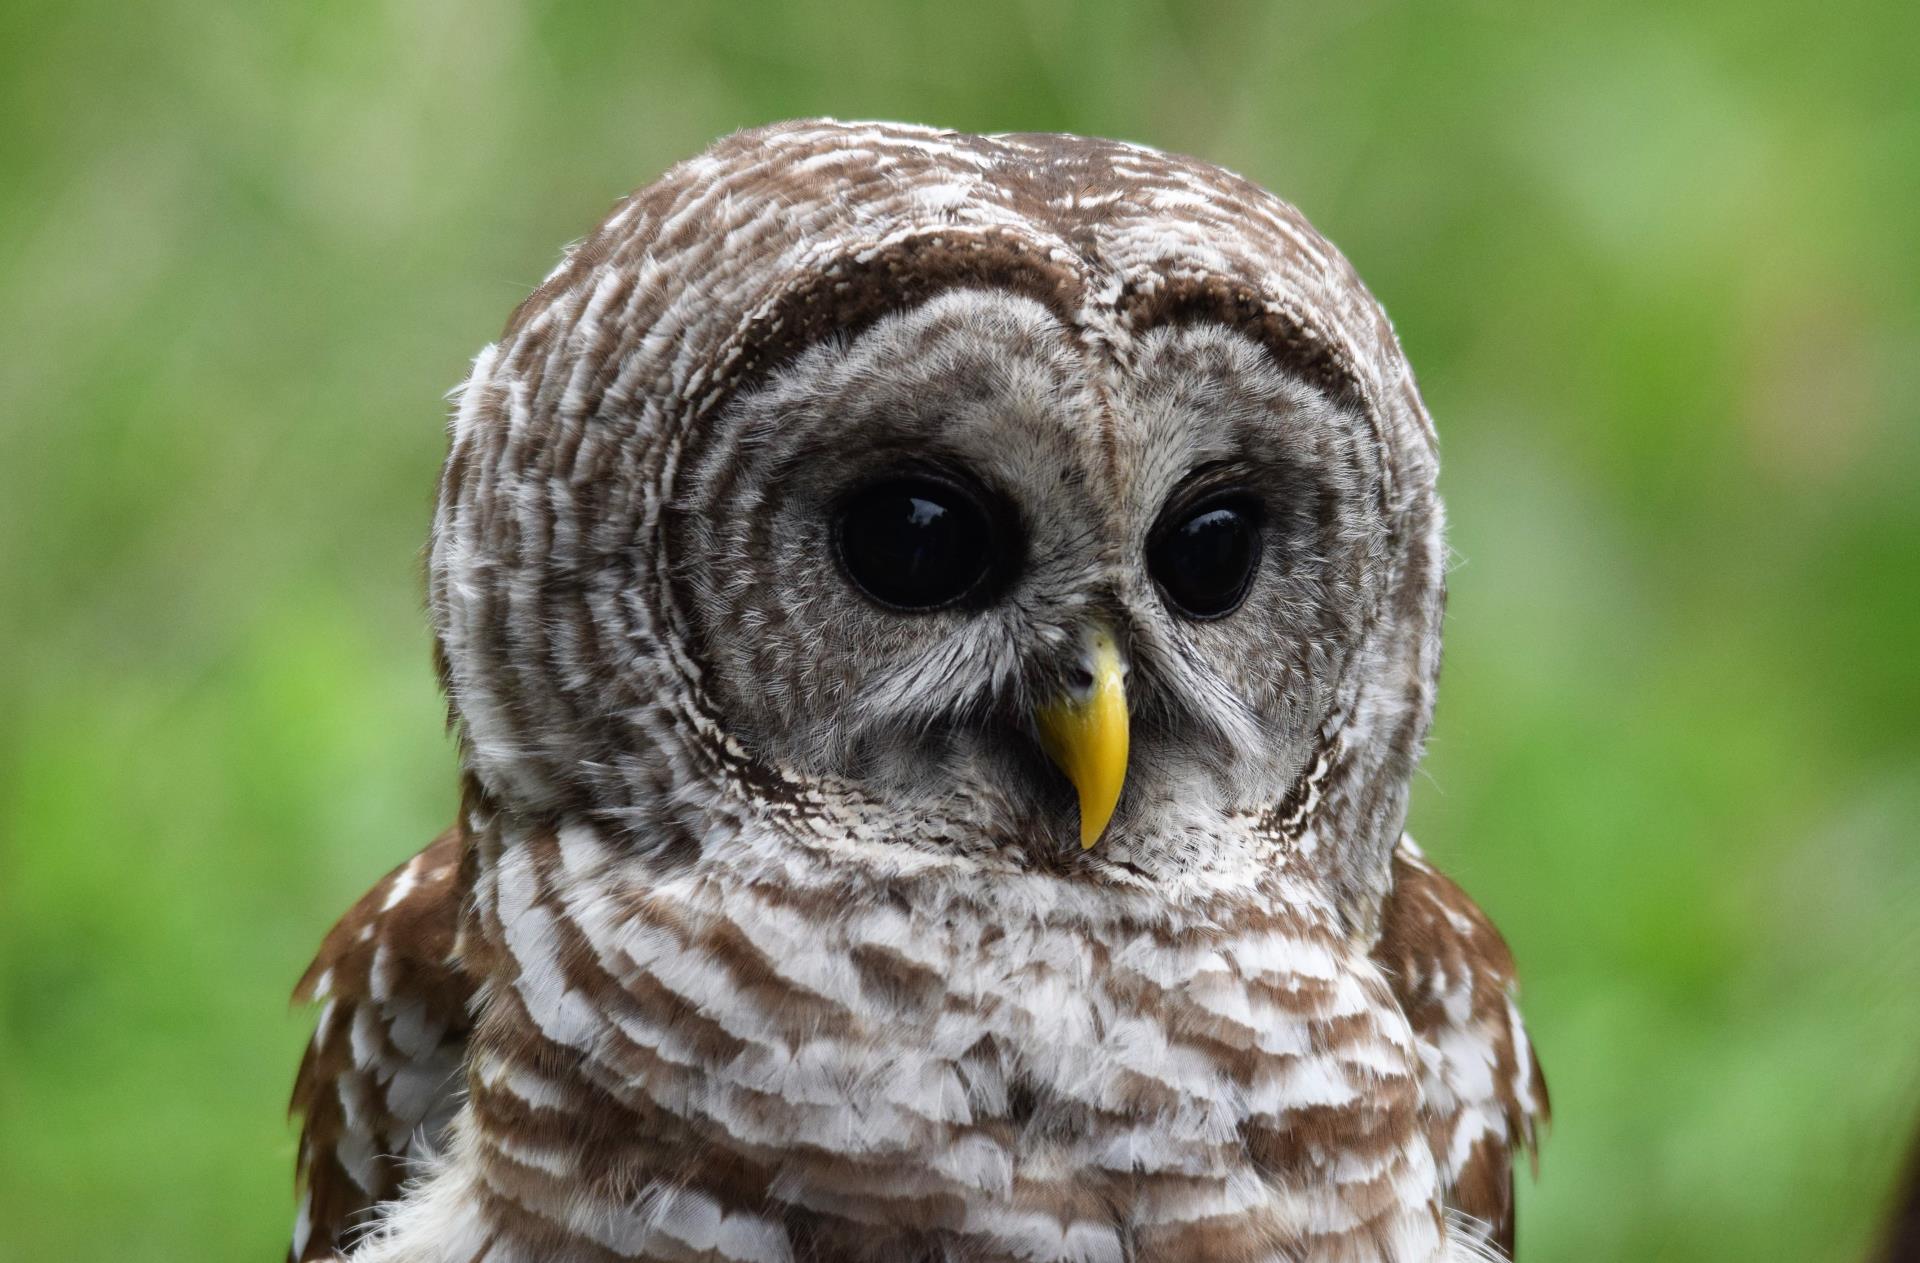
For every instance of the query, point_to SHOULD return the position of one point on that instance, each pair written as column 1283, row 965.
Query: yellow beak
column 1085, row 732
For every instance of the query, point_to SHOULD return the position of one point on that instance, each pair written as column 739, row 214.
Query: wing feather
column 1485, row 1098
column 383, row 1074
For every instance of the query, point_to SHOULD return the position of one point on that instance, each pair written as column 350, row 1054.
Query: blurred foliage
column 1656, row 267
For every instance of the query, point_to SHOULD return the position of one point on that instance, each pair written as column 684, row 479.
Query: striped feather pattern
column 385, row 1069
column 920, row 1083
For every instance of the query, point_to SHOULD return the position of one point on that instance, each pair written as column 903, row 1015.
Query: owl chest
column 894, row 1083
column 1123, row 1051
column 928, row 1073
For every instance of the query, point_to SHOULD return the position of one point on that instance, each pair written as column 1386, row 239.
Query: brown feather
column 1435, row 940
column 1900, row 1239
column 391, row 976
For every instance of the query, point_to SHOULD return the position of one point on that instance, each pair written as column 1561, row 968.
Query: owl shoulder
column 383, row 1073
column 1484, row 1096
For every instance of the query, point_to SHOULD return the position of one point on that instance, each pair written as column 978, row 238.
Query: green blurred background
column 1656, row 268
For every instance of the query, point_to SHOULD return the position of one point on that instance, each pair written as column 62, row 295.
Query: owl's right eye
column 915, row 543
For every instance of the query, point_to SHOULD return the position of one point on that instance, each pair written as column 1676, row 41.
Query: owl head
column 926, row 498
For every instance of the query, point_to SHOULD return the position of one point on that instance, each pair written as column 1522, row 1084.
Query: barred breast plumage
column 856, row 522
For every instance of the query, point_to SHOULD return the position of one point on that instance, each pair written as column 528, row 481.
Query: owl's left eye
column 1204, row 557
column 915, row 543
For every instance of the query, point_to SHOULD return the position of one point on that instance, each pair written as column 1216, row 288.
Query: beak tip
column 1096, row 816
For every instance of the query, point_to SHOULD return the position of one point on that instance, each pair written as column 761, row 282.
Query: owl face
column 903, row 552
column 865, row 486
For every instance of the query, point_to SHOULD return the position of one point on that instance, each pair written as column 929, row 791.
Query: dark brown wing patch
column 1900, row 1238
column 383, row 1074
column 1485, row 1097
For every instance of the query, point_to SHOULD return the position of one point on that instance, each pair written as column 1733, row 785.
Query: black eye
column 1205, row 559
column 915, row 543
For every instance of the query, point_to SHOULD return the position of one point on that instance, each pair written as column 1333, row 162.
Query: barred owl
column 939, row 629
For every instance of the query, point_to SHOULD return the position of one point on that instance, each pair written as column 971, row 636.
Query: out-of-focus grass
column 1656, row 269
